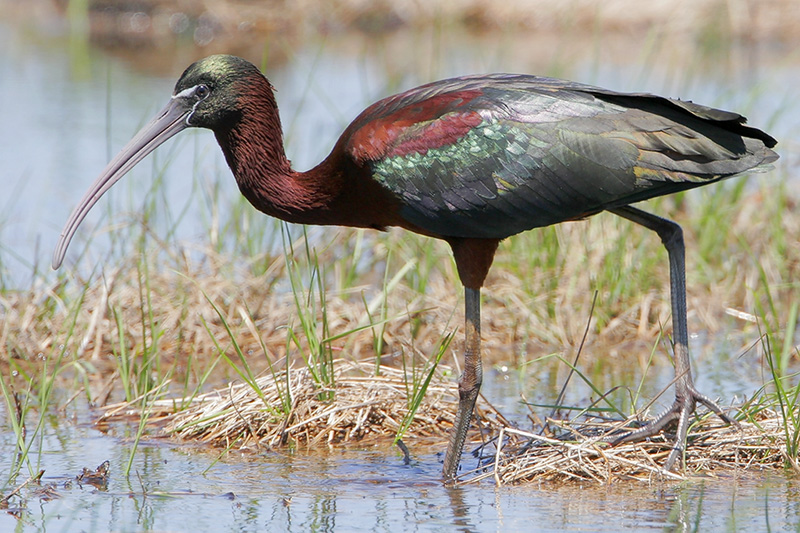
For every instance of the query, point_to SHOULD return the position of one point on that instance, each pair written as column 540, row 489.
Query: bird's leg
column 686, row 396
column 468, row 386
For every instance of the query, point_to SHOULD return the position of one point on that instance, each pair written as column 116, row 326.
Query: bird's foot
column 680, row 412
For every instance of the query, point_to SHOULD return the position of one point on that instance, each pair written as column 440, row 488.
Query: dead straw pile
column 587, row 456
column 294, row 408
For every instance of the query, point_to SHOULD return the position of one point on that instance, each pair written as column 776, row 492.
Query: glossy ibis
column 471, row 161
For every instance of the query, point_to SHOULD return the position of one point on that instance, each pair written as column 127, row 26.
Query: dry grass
column 184, row 308
column 371, row 408
column 235, row 20
column 170, row 34
column 188, row 315
column 583, row 454
column 179, row 312
column 293, row 408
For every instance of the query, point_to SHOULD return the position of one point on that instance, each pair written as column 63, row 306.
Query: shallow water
column 71, row 114
column 180, row 488
column 365, row 487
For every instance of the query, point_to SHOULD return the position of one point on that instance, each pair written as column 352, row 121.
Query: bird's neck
column 253, row 147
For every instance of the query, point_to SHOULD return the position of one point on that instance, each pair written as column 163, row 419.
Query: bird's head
column 206, row 96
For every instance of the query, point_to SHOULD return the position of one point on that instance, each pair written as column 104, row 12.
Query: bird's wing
column 491, row 156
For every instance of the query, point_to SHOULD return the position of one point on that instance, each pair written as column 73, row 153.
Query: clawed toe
column 680, row 412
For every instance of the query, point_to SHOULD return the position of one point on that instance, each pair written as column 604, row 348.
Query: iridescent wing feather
column 491, row 156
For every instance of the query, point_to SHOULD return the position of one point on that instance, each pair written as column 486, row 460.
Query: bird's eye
column 202, row 91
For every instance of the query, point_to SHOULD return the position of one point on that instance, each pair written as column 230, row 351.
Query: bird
column 470, row 160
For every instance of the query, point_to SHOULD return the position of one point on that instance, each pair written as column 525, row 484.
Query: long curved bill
column 170, row 121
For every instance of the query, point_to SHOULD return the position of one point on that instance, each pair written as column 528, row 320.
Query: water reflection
column 182, row 487
column 460, row 509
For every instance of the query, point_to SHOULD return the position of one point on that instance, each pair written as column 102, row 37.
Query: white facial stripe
column 185, row 93
column 188, row 93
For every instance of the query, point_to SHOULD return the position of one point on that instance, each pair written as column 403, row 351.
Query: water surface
column 181, row 488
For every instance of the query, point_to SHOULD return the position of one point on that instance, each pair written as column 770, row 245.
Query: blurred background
column 79, row 77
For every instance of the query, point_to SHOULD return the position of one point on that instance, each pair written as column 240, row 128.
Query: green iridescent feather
column 552, row 152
